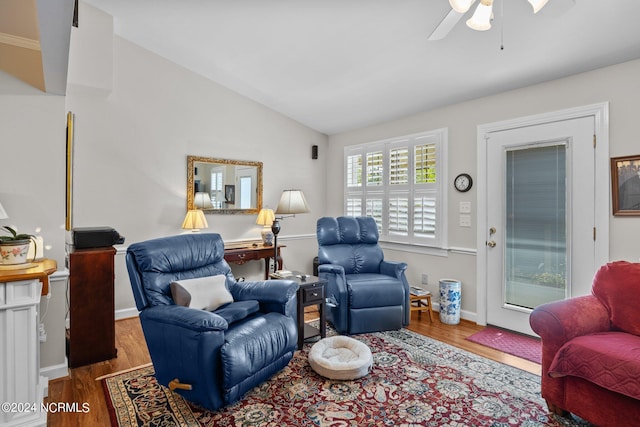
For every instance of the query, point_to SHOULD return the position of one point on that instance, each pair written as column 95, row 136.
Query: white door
column 540, row 218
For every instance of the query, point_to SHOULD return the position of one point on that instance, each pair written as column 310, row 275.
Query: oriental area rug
column 513, row 343
column 415, row 381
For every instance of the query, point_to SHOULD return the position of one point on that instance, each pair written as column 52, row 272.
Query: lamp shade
column 265, row 217
column 461, row 6
column 292, row 202
column 538, row 4
column 202, row 200
column 481, row 19
column 3, row 213
column 194, row 220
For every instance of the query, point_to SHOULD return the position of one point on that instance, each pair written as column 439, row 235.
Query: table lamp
column 266, row 218
column 194, row 221
column 202, row 200
column 292, row 202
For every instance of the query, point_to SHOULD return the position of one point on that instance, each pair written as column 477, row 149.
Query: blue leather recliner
column 365, row 293
column 219, row 355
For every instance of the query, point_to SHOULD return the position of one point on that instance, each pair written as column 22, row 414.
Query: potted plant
column 14, row 248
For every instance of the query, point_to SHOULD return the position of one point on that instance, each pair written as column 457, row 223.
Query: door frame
column 600, row 114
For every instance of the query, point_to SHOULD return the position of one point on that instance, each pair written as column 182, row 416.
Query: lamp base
column 267, row 236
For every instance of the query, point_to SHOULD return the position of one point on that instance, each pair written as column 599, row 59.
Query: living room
column 138, row 116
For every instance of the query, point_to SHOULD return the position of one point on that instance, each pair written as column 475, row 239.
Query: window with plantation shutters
column 404, row 189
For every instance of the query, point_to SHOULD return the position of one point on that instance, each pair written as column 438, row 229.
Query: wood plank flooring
column 81, row 385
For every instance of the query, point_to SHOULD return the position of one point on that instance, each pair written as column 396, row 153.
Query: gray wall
column 617, row 84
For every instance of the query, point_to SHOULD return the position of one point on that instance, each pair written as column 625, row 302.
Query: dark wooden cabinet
column 91, row 334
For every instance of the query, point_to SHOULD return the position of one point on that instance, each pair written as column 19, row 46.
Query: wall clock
column 463, row 182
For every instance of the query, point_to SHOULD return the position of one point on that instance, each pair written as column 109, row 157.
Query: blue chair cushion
column 238, row 310
column 368, row 290
column 253, row 344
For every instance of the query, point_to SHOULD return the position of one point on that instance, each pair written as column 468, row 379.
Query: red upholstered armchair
column 591, row 349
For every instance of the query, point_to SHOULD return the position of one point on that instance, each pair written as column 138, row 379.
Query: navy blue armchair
column 365, row 293
column 210, row 358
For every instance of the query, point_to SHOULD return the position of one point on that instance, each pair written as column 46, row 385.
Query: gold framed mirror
column 222, row 186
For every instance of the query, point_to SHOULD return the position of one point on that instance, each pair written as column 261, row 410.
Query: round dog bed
column 340, row 358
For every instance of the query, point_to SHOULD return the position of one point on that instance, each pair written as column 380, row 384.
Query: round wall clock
column 463, row 182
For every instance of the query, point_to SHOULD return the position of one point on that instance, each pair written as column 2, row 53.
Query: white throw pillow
column 207, row 293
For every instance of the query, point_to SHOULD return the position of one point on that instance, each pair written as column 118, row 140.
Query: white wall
column 617, row 84
column 132, row 142
column 132, row 138
column 32, row 153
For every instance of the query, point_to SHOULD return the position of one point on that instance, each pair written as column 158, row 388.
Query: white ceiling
column 336, row 65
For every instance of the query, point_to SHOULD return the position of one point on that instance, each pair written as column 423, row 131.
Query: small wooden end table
column 418, row 304
column 311, row 292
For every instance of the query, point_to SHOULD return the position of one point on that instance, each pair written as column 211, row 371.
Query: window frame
column 364, row 195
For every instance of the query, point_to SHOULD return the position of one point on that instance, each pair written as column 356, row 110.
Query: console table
column 239, row 253
column 20, row 291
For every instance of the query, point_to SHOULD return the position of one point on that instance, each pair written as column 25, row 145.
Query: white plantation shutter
column 399, row 166
column 353, row 207
column 404, row 187
column 354, row 170
column 374, row 208
column 425, row 163
column 424, row 216
column 374, row 168
column 399, row 215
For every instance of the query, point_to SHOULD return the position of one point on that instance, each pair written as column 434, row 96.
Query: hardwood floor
column 81, row 385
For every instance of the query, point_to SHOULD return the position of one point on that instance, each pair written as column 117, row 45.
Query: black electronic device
column 96, row 237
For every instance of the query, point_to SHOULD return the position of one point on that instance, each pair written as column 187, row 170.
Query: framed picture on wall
column 625, row 183
column 230, row 194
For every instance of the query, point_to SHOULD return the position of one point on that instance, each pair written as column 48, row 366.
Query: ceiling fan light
column 538, row 4
column 461, row 6
column 481, row 19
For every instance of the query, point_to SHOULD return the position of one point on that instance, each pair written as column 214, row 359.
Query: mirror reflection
column 224, row 186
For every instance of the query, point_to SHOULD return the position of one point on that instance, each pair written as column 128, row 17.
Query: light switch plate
column 465, row 220
column 465, row 207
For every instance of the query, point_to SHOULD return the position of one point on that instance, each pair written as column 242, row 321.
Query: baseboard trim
column 464, row 314
column 126, row 313
column 55, row 371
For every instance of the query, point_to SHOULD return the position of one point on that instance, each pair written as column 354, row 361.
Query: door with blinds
column 540, row 211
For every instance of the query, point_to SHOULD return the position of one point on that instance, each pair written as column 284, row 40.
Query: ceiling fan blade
column 446, row 25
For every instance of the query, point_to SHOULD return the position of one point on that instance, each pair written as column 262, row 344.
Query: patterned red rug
column 415, row 381
column 509, row 342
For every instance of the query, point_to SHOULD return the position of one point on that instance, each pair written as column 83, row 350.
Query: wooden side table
column 239, row 253
column 311, row 292
column 418, row 304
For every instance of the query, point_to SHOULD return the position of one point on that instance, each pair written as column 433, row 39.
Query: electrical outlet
column 465, row 220
column 425, row 279
column 465, row 207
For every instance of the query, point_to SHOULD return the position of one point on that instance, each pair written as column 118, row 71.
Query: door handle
column 491, row 244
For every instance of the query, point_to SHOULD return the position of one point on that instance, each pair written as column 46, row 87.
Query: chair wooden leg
column 175, row 383
column 555, row 409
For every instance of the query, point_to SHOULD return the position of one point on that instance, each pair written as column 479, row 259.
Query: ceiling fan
column 481, row 19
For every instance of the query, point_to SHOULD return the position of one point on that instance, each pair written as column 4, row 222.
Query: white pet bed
column 340, row 358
